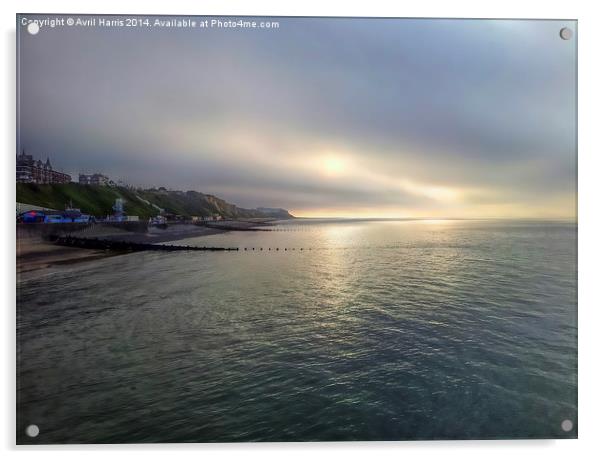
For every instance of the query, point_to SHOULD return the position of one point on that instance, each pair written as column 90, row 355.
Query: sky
column 326, row 117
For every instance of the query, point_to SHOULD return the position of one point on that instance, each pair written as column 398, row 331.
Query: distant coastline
column 98, row 200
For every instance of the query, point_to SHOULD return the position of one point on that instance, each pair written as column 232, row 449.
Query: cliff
column 98, row 201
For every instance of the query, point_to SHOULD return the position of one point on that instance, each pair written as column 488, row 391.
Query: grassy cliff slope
column 98, row 201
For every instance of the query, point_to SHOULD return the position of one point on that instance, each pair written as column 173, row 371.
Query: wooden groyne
column 124, row 246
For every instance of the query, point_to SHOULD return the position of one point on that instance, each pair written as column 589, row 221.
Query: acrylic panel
column 243, row 229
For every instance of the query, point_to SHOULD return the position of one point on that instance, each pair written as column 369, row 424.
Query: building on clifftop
column 30, row 170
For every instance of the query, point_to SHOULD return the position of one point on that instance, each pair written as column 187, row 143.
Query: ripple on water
column 397, row 331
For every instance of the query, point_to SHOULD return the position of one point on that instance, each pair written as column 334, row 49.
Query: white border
column 589, row 218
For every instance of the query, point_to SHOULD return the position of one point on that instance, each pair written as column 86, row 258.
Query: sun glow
column 332, row 166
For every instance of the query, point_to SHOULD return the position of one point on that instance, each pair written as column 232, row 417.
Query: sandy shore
column 35, row 253
column 157, row 235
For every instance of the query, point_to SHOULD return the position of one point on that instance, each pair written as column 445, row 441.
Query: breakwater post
column 123, row 246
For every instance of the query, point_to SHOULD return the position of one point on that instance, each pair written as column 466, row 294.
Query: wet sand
column 158, row 235
column 34, row 253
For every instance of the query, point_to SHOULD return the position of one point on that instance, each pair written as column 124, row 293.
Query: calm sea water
column 384, row 330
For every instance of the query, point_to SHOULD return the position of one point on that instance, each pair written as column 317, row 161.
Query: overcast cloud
column 335, row 117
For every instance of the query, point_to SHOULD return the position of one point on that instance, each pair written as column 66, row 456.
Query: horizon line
column 575, row 218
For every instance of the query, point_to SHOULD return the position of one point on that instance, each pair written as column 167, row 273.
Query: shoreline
column 33, row 253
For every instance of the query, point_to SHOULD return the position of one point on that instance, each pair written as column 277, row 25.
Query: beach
column 35, row 252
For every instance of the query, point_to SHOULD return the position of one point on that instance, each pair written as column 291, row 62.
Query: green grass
column 99, row 200
column 94, row 200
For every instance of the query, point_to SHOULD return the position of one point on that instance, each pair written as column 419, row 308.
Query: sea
column 315, row 330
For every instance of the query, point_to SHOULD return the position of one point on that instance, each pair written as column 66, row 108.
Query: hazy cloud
column 430, row 117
